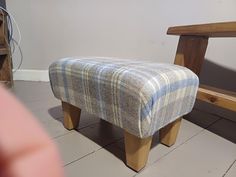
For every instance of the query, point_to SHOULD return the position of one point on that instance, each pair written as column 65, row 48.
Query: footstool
column 138, row 96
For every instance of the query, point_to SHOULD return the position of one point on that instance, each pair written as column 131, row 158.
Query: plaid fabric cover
column 138, row 96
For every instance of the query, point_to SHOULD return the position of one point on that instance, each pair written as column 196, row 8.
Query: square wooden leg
column 168, row 134
column 137, row 150
column 71, row 115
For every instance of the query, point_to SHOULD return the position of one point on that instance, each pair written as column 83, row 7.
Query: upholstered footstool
column 140, row 97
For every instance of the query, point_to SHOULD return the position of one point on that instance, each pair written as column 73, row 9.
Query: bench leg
column 71, row 116
column 137, row 150
column 168, row 134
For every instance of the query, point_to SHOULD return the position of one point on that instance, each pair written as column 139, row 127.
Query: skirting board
column 31, row 75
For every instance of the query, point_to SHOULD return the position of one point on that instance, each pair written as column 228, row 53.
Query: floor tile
column 56, row 111
column 85, row 118
column 212, row 109
column 187, row 131
column 96, row 148
column 102, row 133
column 119, row 153
column 21, row 86
column 45, row 105
column 52, row 120
column 32, row 91
column 101, row 163
column 205, row 155
column 74, row 146
column 225, row 128
column 232, row 171
column 120, row 144
column 201, row 118
column 54, row 128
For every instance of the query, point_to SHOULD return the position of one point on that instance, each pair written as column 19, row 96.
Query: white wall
column 52, row 29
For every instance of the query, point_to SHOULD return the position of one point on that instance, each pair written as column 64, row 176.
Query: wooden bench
column 191, row 51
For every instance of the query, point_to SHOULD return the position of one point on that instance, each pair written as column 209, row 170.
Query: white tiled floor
column 205, row 145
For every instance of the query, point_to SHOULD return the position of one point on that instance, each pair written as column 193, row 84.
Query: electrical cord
column 10, row 28
column 5, row 38
column 12, row 41
column 21, row 54
column 13, row 19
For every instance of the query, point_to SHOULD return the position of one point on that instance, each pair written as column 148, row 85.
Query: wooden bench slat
column 225, row 29
column 219, row 97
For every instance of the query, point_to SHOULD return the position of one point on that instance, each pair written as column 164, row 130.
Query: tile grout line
column 213, row 114
column 103, row 147
column 113, row 142
column 54, row 138
column 79, row 158
column 70, row 132
column 229, row 168
column 96, row 150
column 213, row 123
column 76, row 130
column 219, row 118
column 203, row 129
column 151, row 164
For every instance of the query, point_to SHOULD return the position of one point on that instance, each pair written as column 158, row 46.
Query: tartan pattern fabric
column 138, row 96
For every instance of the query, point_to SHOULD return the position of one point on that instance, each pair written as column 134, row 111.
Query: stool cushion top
column 138, row 96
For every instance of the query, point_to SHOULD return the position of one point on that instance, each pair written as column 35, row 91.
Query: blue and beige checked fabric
column 138, row 96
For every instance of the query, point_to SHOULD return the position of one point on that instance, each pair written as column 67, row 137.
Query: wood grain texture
column 225, row 29
column 6, row 69
column 218, row 97
column 137, row 150
column 71, row 116
column 6, row 75
column 4, row 50
column 168, row 134
column 191, row 52
column 1, row 19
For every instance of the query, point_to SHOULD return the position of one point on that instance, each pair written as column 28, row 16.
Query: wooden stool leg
column 137, row 150
column 71, row 115
column 168, row 134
